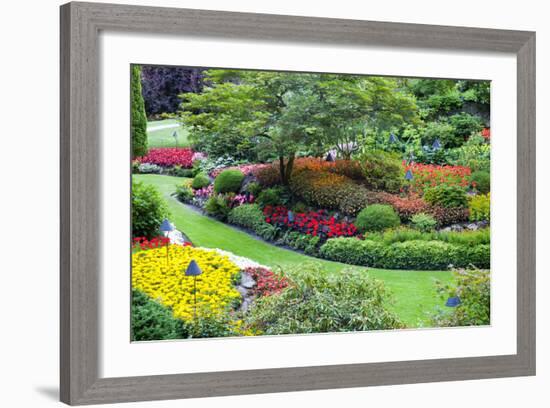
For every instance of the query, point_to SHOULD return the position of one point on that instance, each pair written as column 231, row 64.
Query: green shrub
column 352, row 251
column 382, row 171
column 423, row 222
column 266, row 231
column 473, row 288
column 228, row 181
column 481, row 181
column 270, row 196
column 217, row 206
column 477, row 256
column 465, row 125
column 420, row 254
column 178, row 171
column 475, row 154
column 152, row 321
column 402, row 234
column 253, row 188
column 246, row 216
column 184, row 193
column 302, row 242
column 251, row 217
column 138, row 119
column 480, row 207
column 377, row 217
column 201, row 180
column 446, row 196
column 322, row 302
column 148, row 210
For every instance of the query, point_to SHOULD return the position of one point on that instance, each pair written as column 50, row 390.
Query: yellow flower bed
column 163, row 278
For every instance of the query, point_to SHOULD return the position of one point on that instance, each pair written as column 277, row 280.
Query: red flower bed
column 156, row 242
column 169, row 156
column 267, row 282
column 315, row 223
column 431, row 175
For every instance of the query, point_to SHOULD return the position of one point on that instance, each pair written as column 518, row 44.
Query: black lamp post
column 194, row 271
column 453, row 301
column 175, row 136
column 166, row 227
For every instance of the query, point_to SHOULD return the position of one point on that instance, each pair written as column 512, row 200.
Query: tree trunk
column 286, row 169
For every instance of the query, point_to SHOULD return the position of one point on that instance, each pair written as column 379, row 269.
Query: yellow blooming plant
column 160, row 273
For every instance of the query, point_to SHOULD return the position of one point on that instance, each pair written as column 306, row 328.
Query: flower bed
column 159, row 273
column 316, row 223
column 168, row 157
column 431, row 175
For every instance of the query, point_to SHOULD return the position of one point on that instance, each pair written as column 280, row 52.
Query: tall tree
column 138, row 118
column 162, row 85
column 278, row 114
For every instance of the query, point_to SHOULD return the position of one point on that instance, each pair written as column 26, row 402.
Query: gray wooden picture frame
column 80, row 191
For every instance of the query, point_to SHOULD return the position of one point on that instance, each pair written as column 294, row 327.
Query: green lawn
column 163, row 137
column 414, row 291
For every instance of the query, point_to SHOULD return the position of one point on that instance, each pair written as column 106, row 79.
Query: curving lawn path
column 414, row 291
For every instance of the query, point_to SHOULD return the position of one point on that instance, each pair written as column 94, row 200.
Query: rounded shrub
column 201, row 180
column 481, row 181
column 446, row 196
column 246, row 215
column 270, row 196
column 377, row 217
column 148, row 210
column 480, row 207
column 228, row 181
column 423, row 222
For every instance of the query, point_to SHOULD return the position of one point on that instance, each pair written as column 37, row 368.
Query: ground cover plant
column 297, row 192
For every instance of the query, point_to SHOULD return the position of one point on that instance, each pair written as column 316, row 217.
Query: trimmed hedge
column 153, row 321
column 377, row 217
column 228, row 181
column 412, row 255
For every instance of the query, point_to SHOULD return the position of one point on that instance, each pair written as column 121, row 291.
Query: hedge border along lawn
column 415, row 296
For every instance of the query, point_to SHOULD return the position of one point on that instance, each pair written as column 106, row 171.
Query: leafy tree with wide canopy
column 277, row 115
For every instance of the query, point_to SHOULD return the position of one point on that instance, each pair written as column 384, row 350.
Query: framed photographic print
column 261, row 203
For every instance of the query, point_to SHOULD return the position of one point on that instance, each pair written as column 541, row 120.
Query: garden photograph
column 292, row 203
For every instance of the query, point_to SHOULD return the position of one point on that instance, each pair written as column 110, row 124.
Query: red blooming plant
column 168, row 157
column 142, row 243
column 316, row 223
column 431, row 175
column 267, row 282
column 486, row 133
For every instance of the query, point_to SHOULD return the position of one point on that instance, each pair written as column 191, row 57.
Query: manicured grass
column 414, row 292
column 163, row 137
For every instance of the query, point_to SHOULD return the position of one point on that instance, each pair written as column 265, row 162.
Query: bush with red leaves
column 267, row 282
